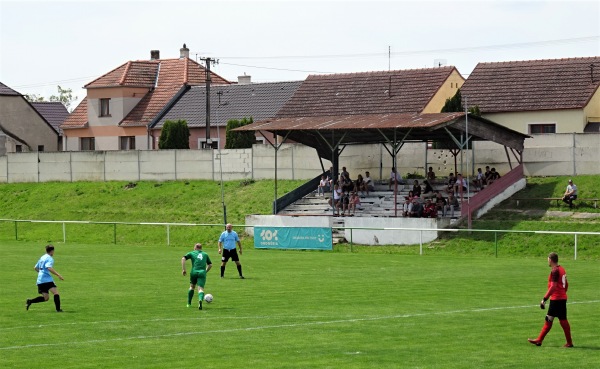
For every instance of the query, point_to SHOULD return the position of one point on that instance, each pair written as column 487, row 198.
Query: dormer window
column 105, row 107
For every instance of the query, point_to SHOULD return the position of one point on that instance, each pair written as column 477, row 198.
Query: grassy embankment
column 199, row 202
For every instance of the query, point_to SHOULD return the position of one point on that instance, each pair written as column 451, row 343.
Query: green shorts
column 198, row 277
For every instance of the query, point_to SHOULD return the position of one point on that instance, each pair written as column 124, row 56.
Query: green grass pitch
column 125, row 308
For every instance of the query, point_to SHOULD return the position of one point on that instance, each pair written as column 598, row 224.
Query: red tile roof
column 172, row 75
column 164, row 78
column 401, row 91
column 78, row 117
column 532, row 84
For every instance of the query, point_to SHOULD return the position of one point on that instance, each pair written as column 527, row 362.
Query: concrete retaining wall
column 392, row 237
column 544, row 155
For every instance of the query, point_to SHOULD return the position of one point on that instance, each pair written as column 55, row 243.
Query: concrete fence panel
column 87, row 166
column 157, row 166
column 55, row 166
column 122, row 165
column 194, row 164
column 23, row 167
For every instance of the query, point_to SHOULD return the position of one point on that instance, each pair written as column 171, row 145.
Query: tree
column 455, row 104
column 239, row 140
column 174, row 135
column 65, row 96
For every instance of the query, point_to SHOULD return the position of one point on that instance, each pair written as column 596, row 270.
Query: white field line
column 248, row 329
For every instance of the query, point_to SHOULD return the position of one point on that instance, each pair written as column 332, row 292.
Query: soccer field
column 125, row 307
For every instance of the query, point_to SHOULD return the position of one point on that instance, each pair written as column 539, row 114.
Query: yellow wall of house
column 447, row 91
column 567, row 120
column 592, row 109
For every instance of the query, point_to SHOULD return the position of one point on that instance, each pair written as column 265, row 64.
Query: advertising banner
column 305, row 238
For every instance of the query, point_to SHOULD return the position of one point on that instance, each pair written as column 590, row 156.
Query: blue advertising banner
column 306, row 238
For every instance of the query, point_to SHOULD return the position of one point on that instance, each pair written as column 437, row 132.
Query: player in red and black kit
column 557, row 293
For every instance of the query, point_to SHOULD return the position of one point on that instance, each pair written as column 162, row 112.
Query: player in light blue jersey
column 45, row 283
column 229, row 238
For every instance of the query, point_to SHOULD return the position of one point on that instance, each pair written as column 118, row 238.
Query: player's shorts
column 230, row 254
column 198, row 277
column 558, row 309
column 45, row 287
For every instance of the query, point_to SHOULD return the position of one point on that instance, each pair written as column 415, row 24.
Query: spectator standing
column 45, row 268
column 335, row 202
column 395, row 178
column 229, row 238
column 450, row 183
column 570, row 193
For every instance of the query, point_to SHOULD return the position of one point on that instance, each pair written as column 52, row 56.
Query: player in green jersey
column 201, row 264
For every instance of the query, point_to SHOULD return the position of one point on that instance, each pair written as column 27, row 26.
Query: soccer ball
column 208, row 298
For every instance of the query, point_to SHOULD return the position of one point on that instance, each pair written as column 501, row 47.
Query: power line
column 430, row 51
column 283, row 69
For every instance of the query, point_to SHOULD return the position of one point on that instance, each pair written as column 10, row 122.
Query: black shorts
column 230, row 254
column 558, row 309
column 45, row 287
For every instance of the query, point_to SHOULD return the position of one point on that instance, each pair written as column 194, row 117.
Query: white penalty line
column 291, row 325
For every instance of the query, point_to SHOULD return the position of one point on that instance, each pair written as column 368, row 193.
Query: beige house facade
column 120, row 105
column 538, row 96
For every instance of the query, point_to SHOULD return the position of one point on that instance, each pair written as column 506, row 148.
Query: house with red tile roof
column 22, row 127
column 538, row 96
column 120, row 105
column 400, row 91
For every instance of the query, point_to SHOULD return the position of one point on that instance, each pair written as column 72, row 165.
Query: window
column 127, row 143
column 260, row 140
column 40, row 147
column 105, row 107
column 88, row 144
column 202, row 143
column 542, row 128
column 19, row 148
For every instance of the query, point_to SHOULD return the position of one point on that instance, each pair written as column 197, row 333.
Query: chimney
column 244, row 80
column 154, row 54
column 184, row 52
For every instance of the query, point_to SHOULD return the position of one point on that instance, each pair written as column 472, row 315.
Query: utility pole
column 208, row 62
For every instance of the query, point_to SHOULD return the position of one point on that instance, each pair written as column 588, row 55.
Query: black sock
column 57, row 302
column 222, row 270
column 240, row 269
column 37, row 299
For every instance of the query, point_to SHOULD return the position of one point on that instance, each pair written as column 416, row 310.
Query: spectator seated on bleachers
column 407, row 206
column 460, row 186
column 479, row 180
column 440, row 202
column 369, row 184
column 450, row 183
column 359, row 184
column 428, row 192
column 323, row 186
column 494, row 176
column 417, row 208
column 416, row 188
column 430, row 175
column 452, row 204
column 429, row 210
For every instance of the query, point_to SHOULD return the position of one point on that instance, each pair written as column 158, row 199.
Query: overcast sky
column 70, row 43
